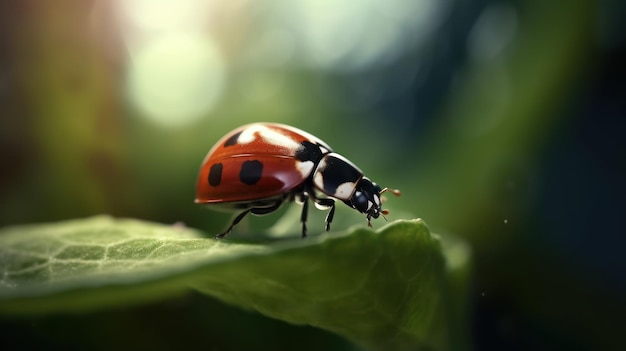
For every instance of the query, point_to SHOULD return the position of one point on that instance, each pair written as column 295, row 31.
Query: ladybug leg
column 266, row 210
column 235, row 221
column 327, row 203
column 305, row 213
column 256, row 211
column 330, row 216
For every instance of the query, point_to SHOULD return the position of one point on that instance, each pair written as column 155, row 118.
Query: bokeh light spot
column 493, row 31
column 176, row 78
column 339, row 36
column 166, row 14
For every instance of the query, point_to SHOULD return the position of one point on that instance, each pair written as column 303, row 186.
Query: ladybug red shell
column 257, row 167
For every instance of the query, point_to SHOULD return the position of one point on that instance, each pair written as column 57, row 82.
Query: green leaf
column 394, row 288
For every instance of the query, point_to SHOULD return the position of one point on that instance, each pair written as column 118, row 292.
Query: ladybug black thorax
column 309, row 151
column 336, row 176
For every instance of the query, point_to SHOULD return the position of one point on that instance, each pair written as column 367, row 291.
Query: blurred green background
column 500, row 121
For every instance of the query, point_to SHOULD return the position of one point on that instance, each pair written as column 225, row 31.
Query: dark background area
column 501, row 121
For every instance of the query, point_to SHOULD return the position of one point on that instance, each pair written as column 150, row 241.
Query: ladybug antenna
column 396, row 192
column 383, row 213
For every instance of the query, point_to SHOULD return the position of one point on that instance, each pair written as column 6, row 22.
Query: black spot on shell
column 232, row 140
column 251, row 172
column 215, row 174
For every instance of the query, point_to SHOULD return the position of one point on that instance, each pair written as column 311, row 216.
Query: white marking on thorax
column 345, row 190
column 318, row 180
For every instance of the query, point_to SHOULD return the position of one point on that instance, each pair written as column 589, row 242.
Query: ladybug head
column 366, row 199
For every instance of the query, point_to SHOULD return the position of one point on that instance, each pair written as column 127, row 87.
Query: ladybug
column 257, row 167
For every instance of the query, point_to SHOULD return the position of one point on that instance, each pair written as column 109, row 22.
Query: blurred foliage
column 500, row 121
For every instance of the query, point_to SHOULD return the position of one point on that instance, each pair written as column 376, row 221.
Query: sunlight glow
column 339, row 35
column 166, row 14
column 176, row 73
column 176, row 78
column 493, row 31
